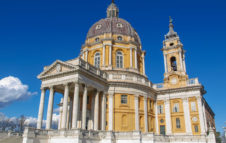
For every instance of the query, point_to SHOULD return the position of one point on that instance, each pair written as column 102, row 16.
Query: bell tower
column 175, row 75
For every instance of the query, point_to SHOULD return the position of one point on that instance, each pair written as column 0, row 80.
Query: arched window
column 173, row 63
column 119, row 59
column 176, row 107
column 178, row 123
column 97, row 60
column 119, row 38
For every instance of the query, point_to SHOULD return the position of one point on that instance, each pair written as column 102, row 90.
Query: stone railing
column 125, row 77
column 85, row 65
column 190, row 82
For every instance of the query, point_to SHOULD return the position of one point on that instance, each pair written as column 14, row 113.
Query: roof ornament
column 171, row 33
column 112, row 10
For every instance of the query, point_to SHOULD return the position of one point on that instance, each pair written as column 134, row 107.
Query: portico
column 77, row 88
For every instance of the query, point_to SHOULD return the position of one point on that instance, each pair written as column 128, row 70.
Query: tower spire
column 171, row 33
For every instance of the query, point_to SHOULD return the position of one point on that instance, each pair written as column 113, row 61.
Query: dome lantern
column 112, row 10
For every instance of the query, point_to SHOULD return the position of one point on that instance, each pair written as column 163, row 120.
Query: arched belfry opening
column 173, row 62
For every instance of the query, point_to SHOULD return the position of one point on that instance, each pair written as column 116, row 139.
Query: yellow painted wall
column 194, row 114
column 124, row 114
column 179, row 115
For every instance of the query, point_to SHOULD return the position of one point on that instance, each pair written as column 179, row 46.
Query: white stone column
column 145, row 115
column 111, row 114
column 50, row 109
column 104, row 47
column 75, row 106
column 156, row 118
column 60, row 113
column 201, row 115
column 84, row 107
column 135, row 57
column 110, row 55
column 86, row 55
column 165, row 64
column 65, row 107
column 131, row 57
column 137, row 123
column 187, row 116
column 41, row 107
column 103, row 112
column 168, row 117
column 96, row 111
column 143, row 64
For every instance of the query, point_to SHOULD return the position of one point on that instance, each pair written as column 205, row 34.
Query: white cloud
column 12, row 89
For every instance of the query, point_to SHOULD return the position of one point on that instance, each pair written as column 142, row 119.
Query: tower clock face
column 173, row 81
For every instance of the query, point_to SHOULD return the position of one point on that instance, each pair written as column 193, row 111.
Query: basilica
column 108, row 98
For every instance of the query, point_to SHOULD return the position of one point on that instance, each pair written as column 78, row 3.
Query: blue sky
column 36, row 33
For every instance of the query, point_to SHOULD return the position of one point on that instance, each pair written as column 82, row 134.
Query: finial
column 113, row 1
column 170, row 19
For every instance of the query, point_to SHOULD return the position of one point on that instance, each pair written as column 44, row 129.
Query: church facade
column 107, row 97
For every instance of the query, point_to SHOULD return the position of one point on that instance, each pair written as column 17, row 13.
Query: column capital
column 43, row 88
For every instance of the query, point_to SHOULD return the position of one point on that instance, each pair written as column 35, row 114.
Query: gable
column 57, row 67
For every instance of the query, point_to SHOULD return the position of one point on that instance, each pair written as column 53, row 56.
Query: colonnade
column 75, row 108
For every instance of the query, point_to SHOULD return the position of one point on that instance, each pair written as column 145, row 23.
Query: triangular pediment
column 57, row 67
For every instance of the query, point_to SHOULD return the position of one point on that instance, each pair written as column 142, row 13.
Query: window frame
column 193, row 106
column 160, row 109
column 119, row 59
column 178, row 123
column 97, row 59
column 176, row 107
column 124, row 99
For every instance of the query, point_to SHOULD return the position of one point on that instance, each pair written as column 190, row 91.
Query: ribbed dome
column 113, row 25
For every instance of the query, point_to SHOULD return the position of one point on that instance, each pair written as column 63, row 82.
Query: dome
column 113, row 24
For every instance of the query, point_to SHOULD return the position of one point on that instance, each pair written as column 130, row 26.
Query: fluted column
column 135, row 58
column 168, row 117
column 65, row 106
column 131, row 57
column 145, row 115
column 110, row 124
column 103, row 112
column 50, row 109
column 136, row 100
column 41, row 107
column 84, row 107
column 187, row 116
column 75, row 106
column 96, row 111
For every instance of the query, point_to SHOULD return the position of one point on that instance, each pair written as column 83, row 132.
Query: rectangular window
column 123, row 99
column 160, row 109
column 176, row 107
column 162, row 130
column 193, row 106
column 196, row 128
column 178, row 123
